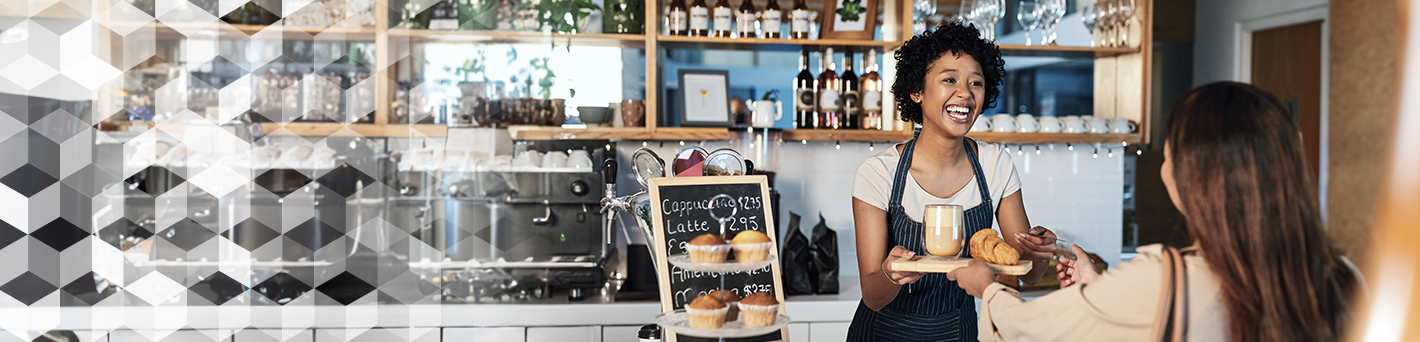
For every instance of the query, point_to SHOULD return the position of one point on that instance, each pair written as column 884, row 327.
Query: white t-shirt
column 873, row 182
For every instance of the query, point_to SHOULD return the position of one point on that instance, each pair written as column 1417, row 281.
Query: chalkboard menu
column 682, row 210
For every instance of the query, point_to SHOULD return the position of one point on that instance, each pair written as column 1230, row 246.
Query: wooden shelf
column 612, row 133
column 318, row 129
column 598, row 39
column 1045, row 138
column 683, row 42
column 1064, row 51
column 243, row 31
column 845, row 135
column 366, row 130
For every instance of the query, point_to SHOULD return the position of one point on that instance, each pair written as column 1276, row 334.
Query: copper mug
column 632, row 112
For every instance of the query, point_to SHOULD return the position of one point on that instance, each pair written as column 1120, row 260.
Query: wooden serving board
column 936, row 264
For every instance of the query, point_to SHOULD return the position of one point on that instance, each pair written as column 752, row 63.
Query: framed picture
column 704, row 98
column 849, row 19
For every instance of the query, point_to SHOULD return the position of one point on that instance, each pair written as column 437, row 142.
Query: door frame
column 1242, row 71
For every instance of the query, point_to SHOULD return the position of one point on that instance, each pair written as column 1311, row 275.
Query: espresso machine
column 514, row 234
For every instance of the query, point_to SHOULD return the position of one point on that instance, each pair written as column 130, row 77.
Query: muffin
column 708, row 249
column 731, row 300
column 760, row 309
column 706, row 312
column 751, row 246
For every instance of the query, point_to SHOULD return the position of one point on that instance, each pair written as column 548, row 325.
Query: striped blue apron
column 933, row 308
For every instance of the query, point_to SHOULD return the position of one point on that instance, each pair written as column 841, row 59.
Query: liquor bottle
column 446, row 16
column 699, row 19
column 237, row 16
column 804, row 94
column 799, row 20
column 852, row 107
column 830, row 105
column 722, row 15
column 872, row 94
column 253, row 14
column 745, row 20
column 679, row 17
column 769, row 22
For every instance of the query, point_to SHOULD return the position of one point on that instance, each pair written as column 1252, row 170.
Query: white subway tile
column 1050, row 212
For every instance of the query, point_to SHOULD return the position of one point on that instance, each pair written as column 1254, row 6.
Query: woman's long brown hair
column 1252, row 207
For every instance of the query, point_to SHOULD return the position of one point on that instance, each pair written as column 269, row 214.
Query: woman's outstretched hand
column 973, row 278
column 1037, row 245
column 1078, row 271
column 900, row 278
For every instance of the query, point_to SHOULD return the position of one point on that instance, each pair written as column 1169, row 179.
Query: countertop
column 810, row 308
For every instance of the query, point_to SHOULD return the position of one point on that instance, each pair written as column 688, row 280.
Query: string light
column 1138, row 152
column 870, row 146
column 1111, row 153
column 682, row 143
column 608, row 147
column 643, row 143
column 1071, row 147
column 804, row 141
column 1097, row 153
column 1037, row 150
column 837, row 146
column 1124, row 143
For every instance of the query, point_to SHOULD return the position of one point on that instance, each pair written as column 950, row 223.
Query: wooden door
column 1286, row 61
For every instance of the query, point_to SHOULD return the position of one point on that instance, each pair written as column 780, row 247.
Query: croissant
column 987, row 246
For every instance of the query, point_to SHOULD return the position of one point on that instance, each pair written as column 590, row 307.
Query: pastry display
column 751, row 246
column 987, row 245
column 706, row 312
column 759, row 309
column 708, row 248
column 731, row 300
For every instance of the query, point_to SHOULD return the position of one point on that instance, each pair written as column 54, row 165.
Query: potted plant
column 565, row 16
column 472, row 66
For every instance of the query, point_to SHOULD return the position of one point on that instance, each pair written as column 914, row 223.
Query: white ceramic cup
column 1026, row 123
column 615, row 108
column 1003, row 123
column 1097, row 125
column 554, row 159
column 766, row 113
column 1050, row 124
column 1073, row 124
column 1121, row 126
column 981, row 125
column 579, row 159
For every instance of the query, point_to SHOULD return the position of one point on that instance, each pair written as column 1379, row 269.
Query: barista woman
column 945, row 79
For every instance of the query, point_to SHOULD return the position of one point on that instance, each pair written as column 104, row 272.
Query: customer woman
column 1260, row 269
column 945, row 79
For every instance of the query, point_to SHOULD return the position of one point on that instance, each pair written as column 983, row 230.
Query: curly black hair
column 918, row 53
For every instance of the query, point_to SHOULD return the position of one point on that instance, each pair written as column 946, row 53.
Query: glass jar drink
column 944, row 233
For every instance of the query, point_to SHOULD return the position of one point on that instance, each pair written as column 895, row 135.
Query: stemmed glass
column 1125, row 12
column 1088, row 16
column 921, row 9
column 1028, row 14
column 967, row 12
column 1054, row 10
column 990, row 12
column 1108, row 13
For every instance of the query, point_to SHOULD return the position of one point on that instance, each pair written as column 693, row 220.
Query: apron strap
column 980, row 176
column 899, row 180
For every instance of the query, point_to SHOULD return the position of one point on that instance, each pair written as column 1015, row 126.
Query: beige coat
column 1120, row 305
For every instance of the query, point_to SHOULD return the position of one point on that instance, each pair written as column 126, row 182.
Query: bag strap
column 1172, row 319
